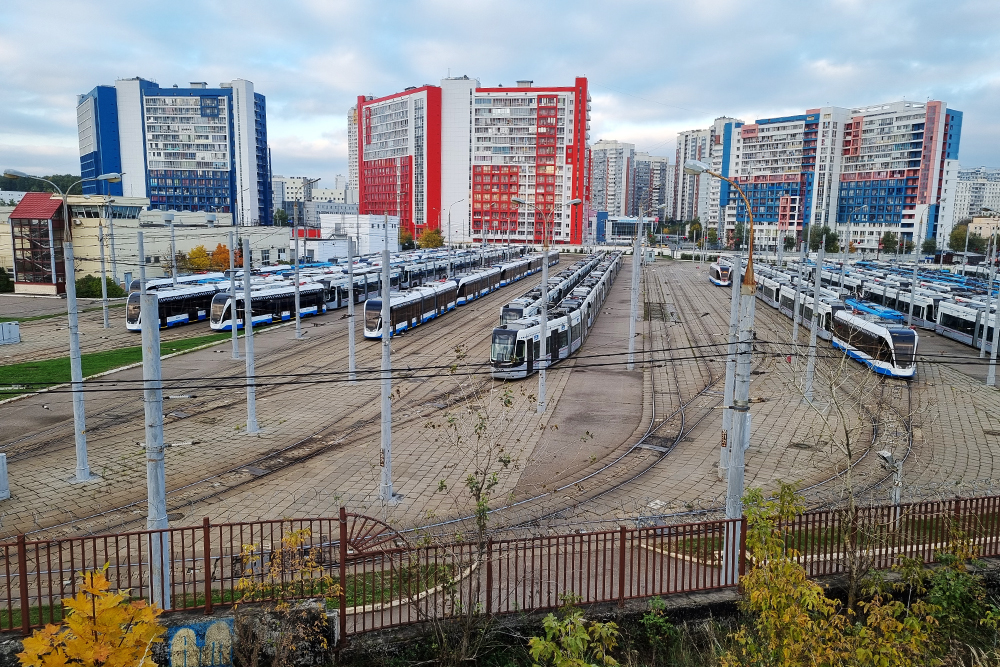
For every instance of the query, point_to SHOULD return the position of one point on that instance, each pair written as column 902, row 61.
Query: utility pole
column 156, row 483
column 114, row 261
column 817, row 286
column 634, row 294
column 232, row 294
column 351, row 369
column 727, row 401
column 248, row 341
column 386, row 493
column 990, row 257
column 104, row 276
column 295, row 258
column 798, row 288
column 173, row 250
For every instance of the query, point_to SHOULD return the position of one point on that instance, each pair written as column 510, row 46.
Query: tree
column 956, row 240
column 6, row 284
column 739, row 234
column 889, row 242
column 790, row 242
column 281, row 218
column 89, row 287
column 19, row 184
column 198, row 259
column 431, row 238
column 928, row 247
column 100, row 628
column 406, row 240
column 824, row 235
column 713, row 236
column 220, row 258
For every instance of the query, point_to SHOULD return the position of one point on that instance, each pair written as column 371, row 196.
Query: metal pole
column 114, row 261
column 173, row 256
column 634, row 295
column 991, row 373
column 75, row 366
column 817, row 286
column 351, row 369
column 295, row 257
column 232, row 294
column 913, row 293
column 104, row 276
column 156, row 483
column 248, row 341
column 385, row 493
column 795, row 301
column 965, row 255
column 544, row 333
column 449, row 243
column 990, row 256
column 142, row 274
column 727, row 401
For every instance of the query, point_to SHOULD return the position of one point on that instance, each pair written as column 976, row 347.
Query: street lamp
column 543, row 352
column 739, row 380
column 76, row 370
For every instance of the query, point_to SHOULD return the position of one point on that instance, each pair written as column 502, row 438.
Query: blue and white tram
column 474, row 285
column 885, row 347
column 153, row 284
column 515, row 350
column 965, row 321
column 720, row 274
column 176, row 306
column 410, row 308
column 267, row 305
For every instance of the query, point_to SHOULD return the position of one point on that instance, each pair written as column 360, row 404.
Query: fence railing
column 384, row 581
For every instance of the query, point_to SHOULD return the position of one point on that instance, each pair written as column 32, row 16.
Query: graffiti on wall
column 204, row 644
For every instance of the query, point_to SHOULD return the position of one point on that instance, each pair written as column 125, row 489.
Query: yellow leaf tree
column 101, row 629
column 199, row 260
column 431, row 238
column 220, row 257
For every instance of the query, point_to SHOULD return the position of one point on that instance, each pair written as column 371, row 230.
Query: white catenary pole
column 156, row 484
column 544, row 333
column 75, row 365
column 386, row 493
column 990, row 257
column 351, row 368
column 295, row 257
column 727, row 401
column 248, row 341
column 634, row 294
column 795, row 300
column 913, row 294
column 104, row 276
column 815, row 323
column 232, row 294
column 173, row 253
column 111, row 234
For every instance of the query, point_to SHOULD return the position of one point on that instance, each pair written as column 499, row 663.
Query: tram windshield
column 373, row 314
column 502, row 350
column 904, row 344
column 510, row 314
column 218, row 308
column 132, row 308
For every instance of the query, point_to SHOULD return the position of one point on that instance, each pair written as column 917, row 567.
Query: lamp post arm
column 748, row 279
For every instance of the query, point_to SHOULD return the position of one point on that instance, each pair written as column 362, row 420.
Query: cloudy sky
column 654, row 67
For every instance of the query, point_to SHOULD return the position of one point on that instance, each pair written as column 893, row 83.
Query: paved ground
column 319, row 447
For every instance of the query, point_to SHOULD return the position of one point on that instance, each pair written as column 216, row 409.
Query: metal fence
column 378, row 580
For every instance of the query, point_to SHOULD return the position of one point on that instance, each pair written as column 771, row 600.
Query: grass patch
column 34, row 375
column 35, row 318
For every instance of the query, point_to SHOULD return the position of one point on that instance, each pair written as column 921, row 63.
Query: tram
column 720, row 274
column 176, row 306
column 410, row 308
column 267, row 305
column 884, row 345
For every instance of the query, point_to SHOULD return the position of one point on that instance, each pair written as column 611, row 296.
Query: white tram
column 267, row 305
column 410, row 308
column 720, row 274
column 884, row 345
column 176, row 306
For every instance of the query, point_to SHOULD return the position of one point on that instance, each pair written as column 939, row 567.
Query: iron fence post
column 621, row 566
column 489, row 576
column 743, row 550
column 343, row 577
column 206, row 527
column 22, row 574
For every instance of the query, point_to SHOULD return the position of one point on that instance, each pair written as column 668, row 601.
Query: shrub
column 89, row 287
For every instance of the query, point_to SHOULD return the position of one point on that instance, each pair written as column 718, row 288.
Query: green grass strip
column 35, row 318
column 50, row 372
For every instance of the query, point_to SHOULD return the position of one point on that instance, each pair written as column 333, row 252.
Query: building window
column 265, row 255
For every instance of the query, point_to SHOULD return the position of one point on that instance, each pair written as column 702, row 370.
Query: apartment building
column 697, row 196
column 862, row 171
column 185, row 149
column 612, row 164
column 454, row 156
column 971, row 190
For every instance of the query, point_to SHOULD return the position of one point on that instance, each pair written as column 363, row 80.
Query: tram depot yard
column 576, row 466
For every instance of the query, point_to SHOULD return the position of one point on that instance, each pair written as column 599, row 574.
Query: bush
column 6, row 284
column 89, row 287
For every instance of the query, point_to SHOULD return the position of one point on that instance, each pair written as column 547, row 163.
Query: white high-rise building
column 611, row 169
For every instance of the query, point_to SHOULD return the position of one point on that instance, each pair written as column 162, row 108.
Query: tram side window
column 957, row 323
column 562, row 339
column 577, row 330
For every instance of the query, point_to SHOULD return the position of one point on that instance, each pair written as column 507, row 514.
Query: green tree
column 406, row 240
column 281, row 218
column 64, row 181
column 824, row 235
column 6, row 284
column 928, row 247
column 739, row 234
column 890, row 242
column 89, row 287
column 713, row 236
column 431, row 238
column 956, row 240
column 790, row 242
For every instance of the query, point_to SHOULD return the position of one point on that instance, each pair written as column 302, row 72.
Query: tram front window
column 904, row 344
column 218, row 308
column 373, row 314
column 509, row 315
column 132, row 308
column 502, row 350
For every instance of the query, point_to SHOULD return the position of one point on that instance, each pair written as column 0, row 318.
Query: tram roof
column 874, row 309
